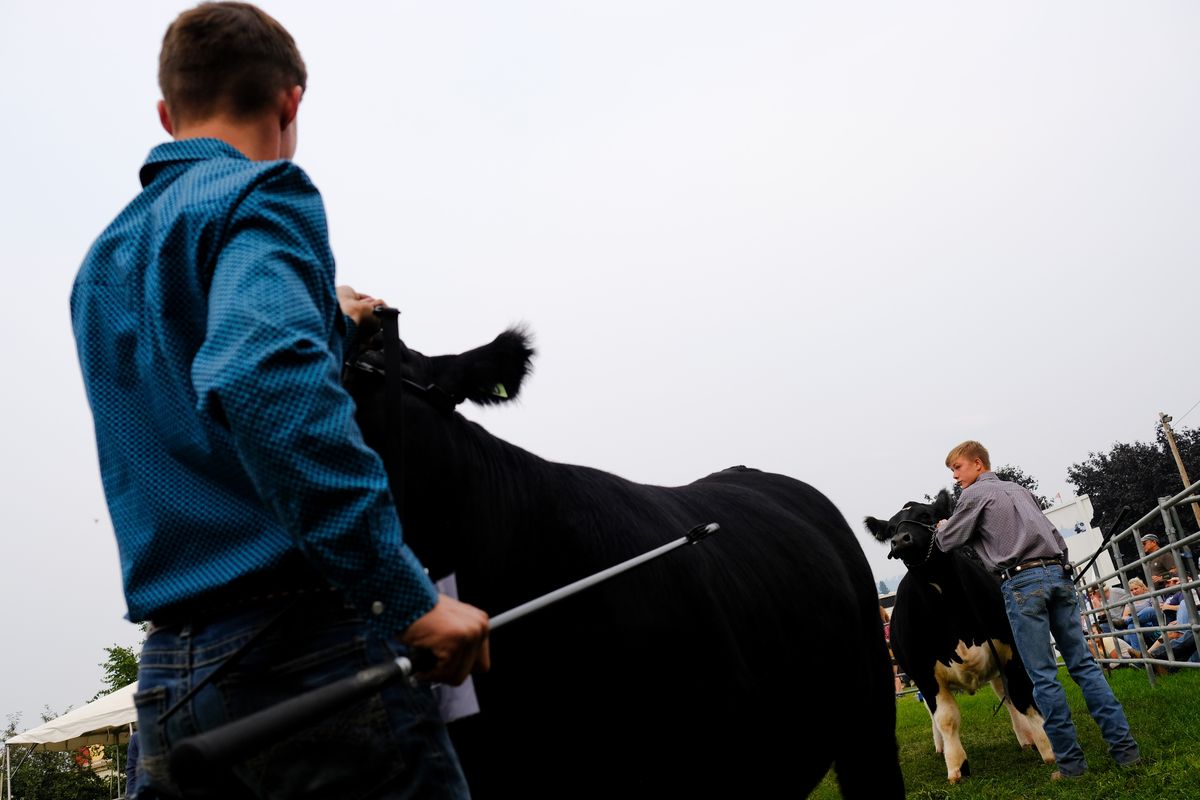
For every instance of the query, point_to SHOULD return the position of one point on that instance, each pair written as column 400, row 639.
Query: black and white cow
column 947, row 608
column 707, row 672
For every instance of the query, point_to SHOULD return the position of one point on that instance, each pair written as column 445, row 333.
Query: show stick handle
column 194, row 758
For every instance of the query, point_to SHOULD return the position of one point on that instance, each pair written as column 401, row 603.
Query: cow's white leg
column 937, row 735
column 946, row 722
column 1040, row 740
column 1020, row 724
column 1028, row 726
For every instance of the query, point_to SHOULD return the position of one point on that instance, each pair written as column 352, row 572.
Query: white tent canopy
column 105, row 720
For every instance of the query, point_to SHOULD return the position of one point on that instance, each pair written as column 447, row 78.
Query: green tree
column 120, row 668
column 1008, row 472
column 1136, row 474
column 883, row 588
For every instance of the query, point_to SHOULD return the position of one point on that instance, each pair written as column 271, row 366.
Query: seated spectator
column 1117, row 648
column 1103, row 646
column 1138, row 613
column 1100, row 599
column 1161, row 568
column 1182, row 642
column 1170, row 604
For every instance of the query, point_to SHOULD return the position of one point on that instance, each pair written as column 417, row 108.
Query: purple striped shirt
column 1003, row 522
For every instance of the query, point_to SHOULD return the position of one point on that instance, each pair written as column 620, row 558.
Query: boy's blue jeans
column 392, row 745
column 1041, row 602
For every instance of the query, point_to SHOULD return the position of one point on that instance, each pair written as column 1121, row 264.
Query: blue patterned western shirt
column 210, row 339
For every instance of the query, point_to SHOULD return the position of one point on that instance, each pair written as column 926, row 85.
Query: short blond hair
column 970, row 449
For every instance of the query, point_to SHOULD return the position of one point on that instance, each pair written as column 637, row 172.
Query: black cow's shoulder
column 934, row 611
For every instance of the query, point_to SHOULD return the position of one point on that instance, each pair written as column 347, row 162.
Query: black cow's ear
column 877, row 528
column 497, row 370
column 943, row 504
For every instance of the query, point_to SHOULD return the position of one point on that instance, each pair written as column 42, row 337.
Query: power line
column 1190, row 410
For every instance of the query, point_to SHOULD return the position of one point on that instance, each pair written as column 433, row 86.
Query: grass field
column 1165, row 721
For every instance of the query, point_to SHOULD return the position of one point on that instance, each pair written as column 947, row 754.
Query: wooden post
column 1165, row 419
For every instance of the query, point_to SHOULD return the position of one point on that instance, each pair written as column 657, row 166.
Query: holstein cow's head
column 910, row 531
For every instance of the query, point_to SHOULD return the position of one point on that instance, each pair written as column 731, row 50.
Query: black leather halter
column 931, row 528
column 431, row 393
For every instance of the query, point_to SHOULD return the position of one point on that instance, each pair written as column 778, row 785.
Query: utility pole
column 1165, row 419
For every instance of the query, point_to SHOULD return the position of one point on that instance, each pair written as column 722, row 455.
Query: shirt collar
column 185, row 150
column 986, row 476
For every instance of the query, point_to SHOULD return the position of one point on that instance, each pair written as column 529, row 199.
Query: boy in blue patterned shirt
column 254, row 526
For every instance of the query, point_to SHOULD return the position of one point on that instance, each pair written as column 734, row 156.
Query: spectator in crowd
column 1139, row 609
column 1101, row 598
column 1093, row 609
column 1112, row 647
column 886, row 618
column 1179, row 638
column 1171, row 603
column 1094, row 621
column 1163, row 566
column 1139, row 613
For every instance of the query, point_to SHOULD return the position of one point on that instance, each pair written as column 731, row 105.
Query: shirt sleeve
column 268, row 371
column 962, row 524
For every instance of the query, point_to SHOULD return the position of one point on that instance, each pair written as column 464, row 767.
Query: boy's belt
column 1005, row 574
column 240, row 595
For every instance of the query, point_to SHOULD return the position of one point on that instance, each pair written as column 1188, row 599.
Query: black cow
column 947, row 608
column 742, row 666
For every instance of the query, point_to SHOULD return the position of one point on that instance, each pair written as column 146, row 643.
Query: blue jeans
column 392, row 745
column 1041, row 601
column 1143, row 619
column 1183, row 648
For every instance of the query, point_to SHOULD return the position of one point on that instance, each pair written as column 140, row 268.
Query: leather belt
column 208, row 608
column 1005, row 574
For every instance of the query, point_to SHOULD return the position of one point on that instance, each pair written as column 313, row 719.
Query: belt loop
column 228, row 662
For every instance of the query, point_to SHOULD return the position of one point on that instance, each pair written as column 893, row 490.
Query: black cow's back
column 703, row 673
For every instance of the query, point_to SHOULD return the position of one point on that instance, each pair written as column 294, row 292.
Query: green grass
column 1165, row 721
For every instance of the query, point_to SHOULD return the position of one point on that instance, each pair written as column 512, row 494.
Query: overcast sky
column 830, row 240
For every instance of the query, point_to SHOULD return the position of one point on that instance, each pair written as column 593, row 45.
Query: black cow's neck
column 939, row 566
column 470, row 499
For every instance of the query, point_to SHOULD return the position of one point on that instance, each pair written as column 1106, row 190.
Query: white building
column 1073, row 518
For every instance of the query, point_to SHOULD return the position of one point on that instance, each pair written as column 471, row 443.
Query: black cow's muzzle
column 900, row 543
